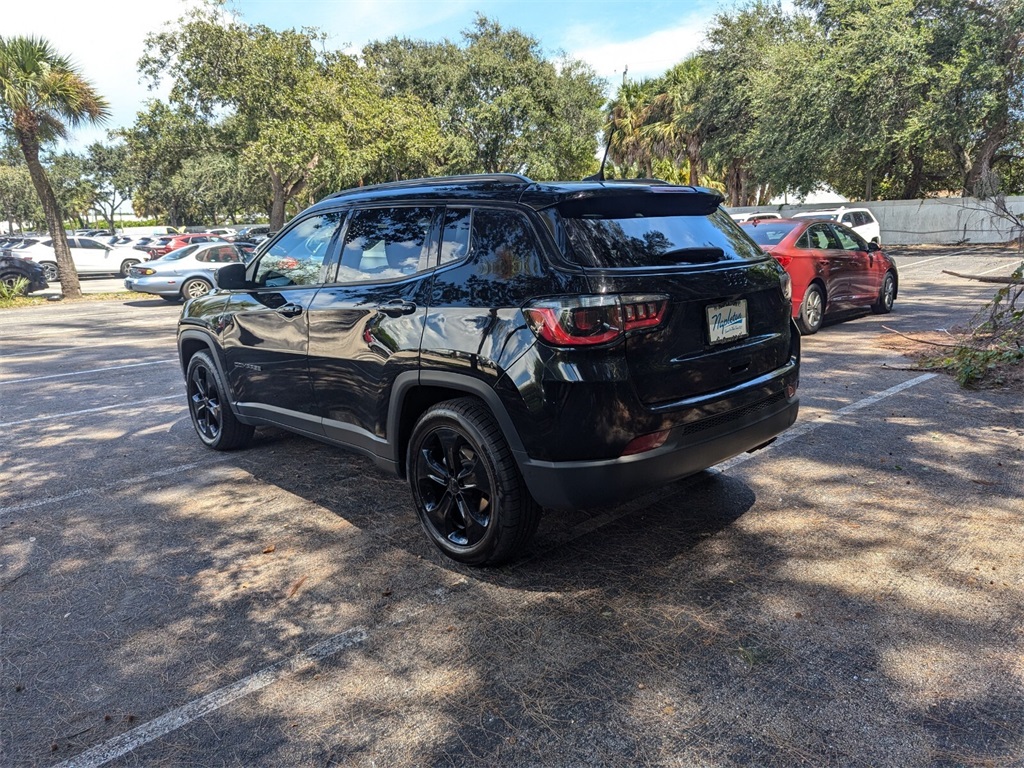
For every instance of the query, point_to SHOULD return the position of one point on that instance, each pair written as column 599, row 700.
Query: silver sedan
column 183, row 274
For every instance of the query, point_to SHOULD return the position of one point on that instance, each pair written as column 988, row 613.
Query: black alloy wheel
column 212, row 417
column 469, row 494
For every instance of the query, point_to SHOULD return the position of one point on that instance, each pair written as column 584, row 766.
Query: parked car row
column 90, row 256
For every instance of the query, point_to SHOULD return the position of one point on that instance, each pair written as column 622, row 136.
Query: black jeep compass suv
column 503, row 344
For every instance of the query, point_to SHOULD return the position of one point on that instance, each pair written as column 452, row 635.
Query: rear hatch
column 726, row 320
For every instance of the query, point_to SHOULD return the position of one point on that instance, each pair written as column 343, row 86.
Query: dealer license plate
column 727, row 321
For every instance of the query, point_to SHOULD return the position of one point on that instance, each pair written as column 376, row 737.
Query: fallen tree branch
column 921, row 341
column 981, row 279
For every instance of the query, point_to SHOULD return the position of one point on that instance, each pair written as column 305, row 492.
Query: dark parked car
column 502, row 344
column 254, row 233
column 832, row 268
column 13, row 269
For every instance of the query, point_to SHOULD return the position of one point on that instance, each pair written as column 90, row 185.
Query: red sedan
column 831, row 266
column 167, row 243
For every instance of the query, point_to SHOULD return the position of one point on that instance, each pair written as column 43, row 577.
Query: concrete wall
column 936, row 221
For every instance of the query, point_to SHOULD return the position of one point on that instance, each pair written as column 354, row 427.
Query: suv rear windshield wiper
column 697, row 254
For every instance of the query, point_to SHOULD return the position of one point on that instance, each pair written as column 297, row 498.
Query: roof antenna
column 599, row 176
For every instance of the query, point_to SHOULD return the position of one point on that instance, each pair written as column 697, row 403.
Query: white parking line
column 52, row 416
column 829, row 418
column 903, row 267
column 184, row 715
column 91, row 370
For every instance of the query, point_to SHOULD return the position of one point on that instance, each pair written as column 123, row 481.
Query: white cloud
column 103, row 40
column 648, row 56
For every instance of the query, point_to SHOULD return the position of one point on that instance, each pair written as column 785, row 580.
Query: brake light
column 589, row 320
column 783, row 260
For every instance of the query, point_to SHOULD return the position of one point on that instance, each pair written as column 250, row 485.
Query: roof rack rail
column 508, row 178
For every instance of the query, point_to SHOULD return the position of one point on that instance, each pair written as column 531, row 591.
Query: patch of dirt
column 931, row 350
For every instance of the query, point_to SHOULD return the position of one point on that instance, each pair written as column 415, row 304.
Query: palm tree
column 41, row 94
column 627, row 116
column 679, row 128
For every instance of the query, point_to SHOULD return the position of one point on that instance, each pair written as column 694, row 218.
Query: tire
column 469, row 495
column 9, row 279
column 212, row 417
column 812, row 310
column 126, row 265
column 50, row 271
column 886, row 295
column 195, row 288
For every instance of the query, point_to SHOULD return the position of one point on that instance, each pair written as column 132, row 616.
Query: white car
column 860, row 220
column 222, row 231
column 755, row 216
column 91, row 257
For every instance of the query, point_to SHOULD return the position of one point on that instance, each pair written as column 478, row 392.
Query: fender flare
column 209, row 342
column 406, row 382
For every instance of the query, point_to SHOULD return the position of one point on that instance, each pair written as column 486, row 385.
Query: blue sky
column 106, row 39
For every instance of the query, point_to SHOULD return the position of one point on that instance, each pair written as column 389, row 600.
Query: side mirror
column 873, row 247
column 231, row 277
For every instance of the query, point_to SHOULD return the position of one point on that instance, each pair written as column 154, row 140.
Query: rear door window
column 822, row 238
column 386, row 243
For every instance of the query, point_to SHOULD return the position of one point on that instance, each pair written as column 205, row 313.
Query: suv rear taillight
column 588, row 320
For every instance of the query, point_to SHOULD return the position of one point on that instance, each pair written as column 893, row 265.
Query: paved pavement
column 850, row 596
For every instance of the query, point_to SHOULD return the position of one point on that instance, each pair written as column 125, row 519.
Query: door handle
column 396, row 308
column 289, row 310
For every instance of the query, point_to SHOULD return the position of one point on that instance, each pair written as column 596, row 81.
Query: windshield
column 768, row 232
column 657, row 241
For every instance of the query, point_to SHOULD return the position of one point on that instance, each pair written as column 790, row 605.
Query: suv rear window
column 600, row 240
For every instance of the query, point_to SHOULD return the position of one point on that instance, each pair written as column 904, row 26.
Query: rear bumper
column 688, row 449
column 157, row 285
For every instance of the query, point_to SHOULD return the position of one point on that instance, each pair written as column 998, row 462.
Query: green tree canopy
column 501, row 104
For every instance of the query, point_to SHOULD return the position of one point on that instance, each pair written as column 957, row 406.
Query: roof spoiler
column 624, row 200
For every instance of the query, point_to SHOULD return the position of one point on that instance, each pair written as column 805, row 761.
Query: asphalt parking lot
column 851, row 596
